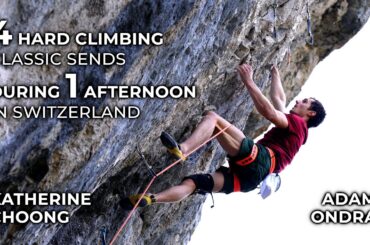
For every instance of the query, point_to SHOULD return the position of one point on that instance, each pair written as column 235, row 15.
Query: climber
column 249, row 162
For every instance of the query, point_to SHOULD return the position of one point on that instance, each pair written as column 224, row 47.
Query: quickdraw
column 275, row 8
column 103, row 236
column 150, row 169
column 310, row 39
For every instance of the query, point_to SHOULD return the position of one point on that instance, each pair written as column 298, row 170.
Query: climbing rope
column 157, row 175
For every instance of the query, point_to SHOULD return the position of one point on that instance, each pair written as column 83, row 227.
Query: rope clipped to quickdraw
column 156, row 176
column 310, row 39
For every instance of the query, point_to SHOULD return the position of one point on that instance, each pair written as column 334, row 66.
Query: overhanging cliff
column 204, row 41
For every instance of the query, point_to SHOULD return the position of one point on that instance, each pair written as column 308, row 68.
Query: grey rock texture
column 204, row 41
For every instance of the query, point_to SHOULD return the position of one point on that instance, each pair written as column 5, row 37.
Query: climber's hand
column 246, row 73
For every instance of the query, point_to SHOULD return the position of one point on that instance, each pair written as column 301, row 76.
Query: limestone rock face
column 204, row 41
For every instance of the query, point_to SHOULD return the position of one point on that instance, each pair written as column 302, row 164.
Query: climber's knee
column 203, row 182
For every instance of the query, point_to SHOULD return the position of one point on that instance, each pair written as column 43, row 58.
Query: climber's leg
column 204, row 183
column 230, row 140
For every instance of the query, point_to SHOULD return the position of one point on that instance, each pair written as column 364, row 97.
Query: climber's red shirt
column 285, row 142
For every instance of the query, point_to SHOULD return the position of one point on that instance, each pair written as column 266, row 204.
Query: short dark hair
column 317, row 107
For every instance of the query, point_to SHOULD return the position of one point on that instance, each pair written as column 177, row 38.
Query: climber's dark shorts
column 237, row 178
column 246, row 178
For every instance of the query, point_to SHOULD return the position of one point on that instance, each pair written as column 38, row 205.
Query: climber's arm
column 277, row 94
column 262, row 104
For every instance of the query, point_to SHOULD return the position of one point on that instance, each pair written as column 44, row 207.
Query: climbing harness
column 156, row 176
column 310, row 40
column 273, row 181
column 273, row 159
column 250, row 158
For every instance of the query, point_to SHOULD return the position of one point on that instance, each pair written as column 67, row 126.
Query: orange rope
column 154, row 177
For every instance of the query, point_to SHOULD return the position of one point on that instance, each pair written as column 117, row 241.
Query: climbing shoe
column 170, row 143
column 129, row 202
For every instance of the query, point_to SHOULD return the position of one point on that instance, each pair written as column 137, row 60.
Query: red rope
column 154, row 177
